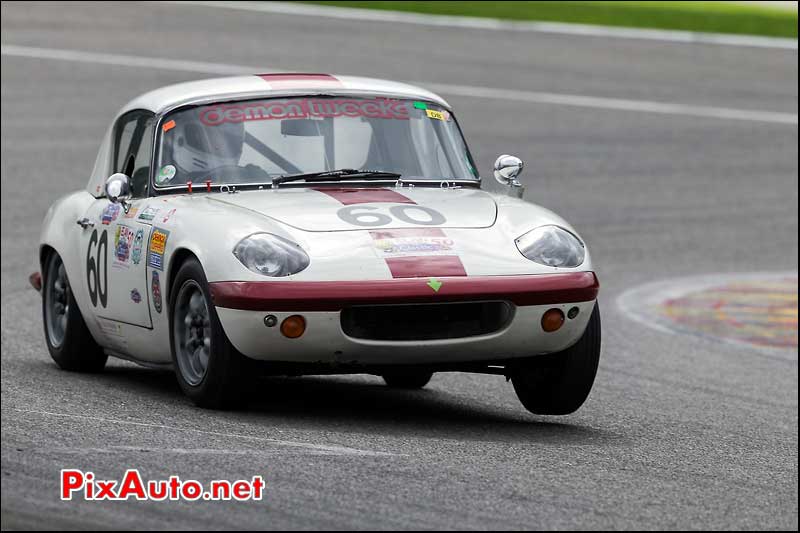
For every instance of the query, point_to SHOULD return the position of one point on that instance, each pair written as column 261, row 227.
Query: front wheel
column 69, row 341
column 208, row 367
column 559, row 383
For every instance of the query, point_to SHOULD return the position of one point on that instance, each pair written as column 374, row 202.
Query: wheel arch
column 60, row 235
column 179, row 256
column 47, row 250
column 44, row 253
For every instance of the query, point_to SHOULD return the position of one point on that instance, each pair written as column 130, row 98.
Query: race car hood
column 347, row 209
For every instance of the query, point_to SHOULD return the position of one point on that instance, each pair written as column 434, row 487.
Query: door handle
column 85, row 223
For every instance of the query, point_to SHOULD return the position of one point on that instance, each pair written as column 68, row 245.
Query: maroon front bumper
column 541, row 289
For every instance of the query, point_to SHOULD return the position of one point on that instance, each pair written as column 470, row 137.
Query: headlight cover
column 552, row 246
column 270, row 255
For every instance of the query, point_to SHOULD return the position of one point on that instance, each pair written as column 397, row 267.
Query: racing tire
column 559, row 383
column 208, row 368
column 407, row 379
column 69, row 341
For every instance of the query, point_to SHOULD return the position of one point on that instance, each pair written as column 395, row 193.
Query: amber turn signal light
column 294, row 326
column 552, row 320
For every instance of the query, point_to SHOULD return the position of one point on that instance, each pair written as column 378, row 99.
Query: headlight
column 270, row 255
column 552, row 246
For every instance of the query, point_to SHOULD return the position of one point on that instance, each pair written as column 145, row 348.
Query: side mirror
column 506, row 170
column 118, row 189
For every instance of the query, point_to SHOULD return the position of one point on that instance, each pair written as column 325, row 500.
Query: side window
column 126, row 127
column 140, row 177
column 133, row 148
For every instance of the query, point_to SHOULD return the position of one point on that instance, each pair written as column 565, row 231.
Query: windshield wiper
column 336, row 175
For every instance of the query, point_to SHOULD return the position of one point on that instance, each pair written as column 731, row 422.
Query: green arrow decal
column 434, row 284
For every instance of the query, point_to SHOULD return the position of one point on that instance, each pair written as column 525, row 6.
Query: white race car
column 297, row 224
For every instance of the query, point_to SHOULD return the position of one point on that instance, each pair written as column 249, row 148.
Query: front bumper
column 242, row 306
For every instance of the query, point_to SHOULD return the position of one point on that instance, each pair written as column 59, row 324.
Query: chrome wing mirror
column 506, row 170
column 118, row 189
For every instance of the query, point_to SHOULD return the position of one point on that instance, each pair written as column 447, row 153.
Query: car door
column 114, row 241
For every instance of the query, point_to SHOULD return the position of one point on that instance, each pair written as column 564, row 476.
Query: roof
column 273, row 85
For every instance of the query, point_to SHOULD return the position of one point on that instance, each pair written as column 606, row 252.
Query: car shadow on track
column 430, row 412
column 342, row 404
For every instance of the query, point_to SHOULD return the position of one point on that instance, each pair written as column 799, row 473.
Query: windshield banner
column 306, row 108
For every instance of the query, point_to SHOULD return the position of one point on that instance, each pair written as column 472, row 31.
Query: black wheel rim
column 192, row 333
column 56, row 302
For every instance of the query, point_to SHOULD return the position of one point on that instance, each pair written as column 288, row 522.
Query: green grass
column 713, row 17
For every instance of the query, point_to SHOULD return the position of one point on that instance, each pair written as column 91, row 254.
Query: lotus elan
column 293, row 224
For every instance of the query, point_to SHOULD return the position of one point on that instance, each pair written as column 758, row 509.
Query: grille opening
column 416, row 322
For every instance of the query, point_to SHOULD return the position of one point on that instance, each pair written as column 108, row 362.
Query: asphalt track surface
column 679, row 432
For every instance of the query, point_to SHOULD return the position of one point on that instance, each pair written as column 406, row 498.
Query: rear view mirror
column 507, row 169
column 301, row 127
column 118, row 188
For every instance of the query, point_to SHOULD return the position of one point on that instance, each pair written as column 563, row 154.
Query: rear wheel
column 409, row 379
column 208, row 367
column 559, row 383
column 68, row 339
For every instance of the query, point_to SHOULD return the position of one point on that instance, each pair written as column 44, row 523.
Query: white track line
column 246, row 452
column 618, row 104
column 124, row 60
column 479, row 23
column 336, row 450
column 646, row 106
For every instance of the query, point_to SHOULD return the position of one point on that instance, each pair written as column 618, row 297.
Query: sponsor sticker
column 110, row 214
column 390, row 244
column 168, row 126
column 438, row 115
column 155, row 251
column 123, row 242
column 131, row 212
column 136, row 297
column 149, row 213
column 138, row 242
column 156, row 287
column 166, row 173
column 418, row 253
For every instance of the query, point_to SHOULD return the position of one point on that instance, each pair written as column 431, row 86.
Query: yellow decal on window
column 438, row 115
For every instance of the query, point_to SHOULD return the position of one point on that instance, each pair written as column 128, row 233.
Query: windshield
column 255, row 141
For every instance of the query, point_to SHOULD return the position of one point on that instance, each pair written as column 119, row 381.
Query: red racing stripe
column 417, row 266
column 542, row 289
column 430, row 263
column 366, row 196
column 300, row 80
column 422, row 266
